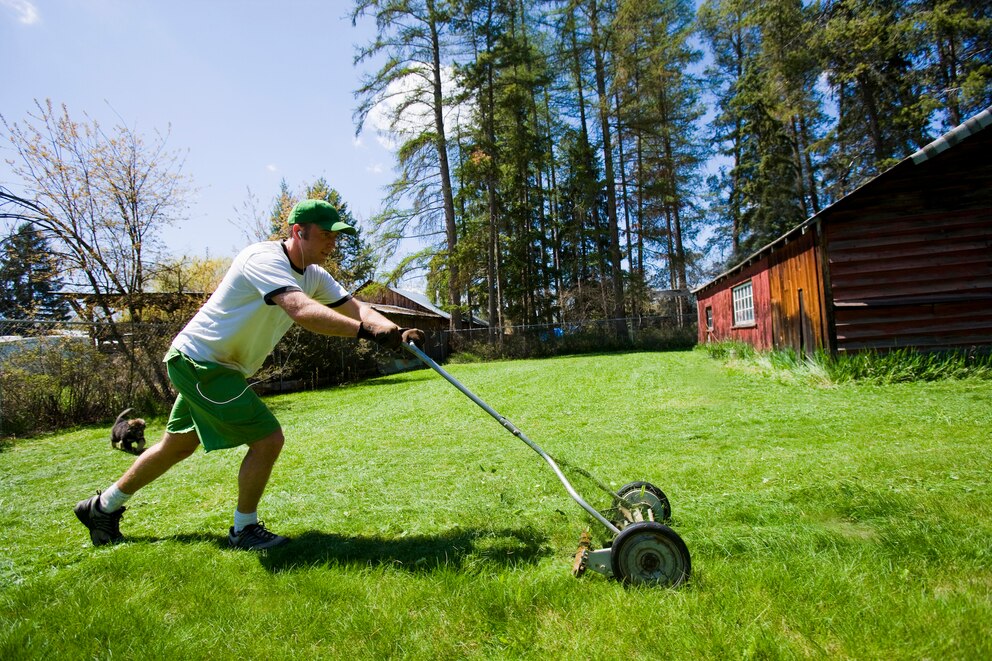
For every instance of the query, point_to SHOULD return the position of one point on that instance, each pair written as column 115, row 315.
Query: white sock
column 241, row 520
column 112, row 499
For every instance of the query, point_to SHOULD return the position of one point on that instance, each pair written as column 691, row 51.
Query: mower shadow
column 454, row 549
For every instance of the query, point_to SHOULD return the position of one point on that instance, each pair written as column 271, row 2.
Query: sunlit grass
column 824, row 519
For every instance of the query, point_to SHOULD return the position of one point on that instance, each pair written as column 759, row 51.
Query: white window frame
column 709, row 317
column 743, row 298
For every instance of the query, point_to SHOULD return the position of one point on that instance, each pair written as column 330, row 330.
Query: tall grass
column 896, row 366
column 906, row 365
column 845, row 522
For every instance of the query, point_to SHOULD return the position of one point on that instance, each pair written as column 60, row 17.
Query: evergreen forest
column 562, row 159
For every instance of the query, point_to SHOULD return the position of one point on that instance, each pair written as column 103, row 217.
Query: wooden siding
column 910, row 264
column 797, row 300
column 758, row 334
column 408, row 313
column 789, row 300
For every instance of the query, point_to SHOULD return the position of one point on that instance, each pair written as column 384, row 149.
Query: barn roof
column 422, row 301
column 974, row 125
column 421, row 305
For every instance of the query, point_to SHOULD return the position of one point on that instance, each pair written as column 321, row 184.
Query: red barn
column 904, row 261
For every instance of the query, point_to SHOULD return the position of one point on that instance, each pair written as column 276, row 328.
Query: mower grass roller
column 644, row 550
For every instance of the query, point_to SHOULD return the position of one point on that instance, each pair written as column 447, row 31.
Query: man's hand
column 414, row 335
column 388, row 337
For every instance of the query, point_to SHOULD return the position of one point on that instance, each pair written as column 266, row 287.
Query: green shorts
column 217, row 403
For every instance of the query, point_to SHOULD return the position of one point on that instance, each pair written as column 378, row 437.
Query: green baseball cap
column 320, row 213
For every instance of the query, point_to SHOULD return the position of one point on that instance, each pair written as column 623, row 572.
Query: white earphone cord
column 228, row 401
column 303, row 257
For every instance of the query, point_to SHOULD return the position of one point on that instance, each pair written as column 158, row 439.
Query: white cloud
column 27, row 13
column 374, row 168
column 271, row 167
column 390, row 129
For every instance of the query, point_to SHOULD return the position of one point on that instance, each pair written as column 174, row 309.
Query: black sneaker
column 254, row 537
column 104, row 528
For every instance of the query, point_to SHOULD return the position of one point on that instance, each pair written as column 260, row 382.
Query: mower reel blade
column 599, row 560
column 582, row 555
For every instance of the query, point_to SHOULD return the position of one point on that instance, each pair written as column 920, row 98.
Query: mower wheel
column 642, row 493
column 650, row 553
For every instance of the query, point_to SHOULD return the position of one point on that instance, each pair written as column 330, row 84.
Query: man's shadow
column 414, row 553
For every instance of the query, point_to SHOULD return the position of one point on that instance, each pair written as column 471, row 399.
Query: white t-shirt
column 240, row 324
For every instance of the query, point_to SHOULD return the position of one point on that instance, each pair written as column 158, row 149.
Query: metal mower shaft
column 509, row 426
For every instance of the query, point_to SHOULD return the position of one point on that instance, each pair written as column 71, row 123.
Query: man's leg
column 252, row 479
column 256, row 469
column 157, row 459
column 104, row 522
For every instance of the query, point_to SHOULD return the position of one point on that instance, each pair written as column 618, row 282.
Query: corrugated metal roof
column 392, row 309
column 954, row 136
column 422, row 300
column 418, row 299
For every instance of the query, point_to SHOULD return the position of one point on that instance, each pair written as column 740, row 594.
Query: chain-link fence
column 55, row 375
column 647, row 333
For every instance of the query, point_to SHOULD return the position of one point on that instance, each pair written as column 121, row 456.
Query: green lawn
column 850, row 521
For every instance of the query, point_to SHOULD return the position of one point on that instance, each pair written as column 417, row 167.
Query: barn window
column 743, row 304
column 709, row 317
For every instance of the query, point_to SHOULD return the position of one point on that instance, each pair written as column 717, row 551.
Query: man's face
column 317, row 243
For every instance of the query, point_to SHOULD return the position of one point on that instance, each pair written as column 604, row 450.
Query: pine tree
column 661, row 109
column 792, row 71
column 955, row 38
column 29, row 281
column 600, row 18
column 868, row 49
column 412, row 36
column 731, row 30
column 480, row 22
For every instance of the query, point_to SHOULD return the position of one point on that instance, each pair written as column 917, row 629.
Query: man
column 270, row 286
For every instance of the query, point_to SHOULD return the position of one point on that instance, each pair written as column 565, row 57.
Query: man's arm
column 344, row 320
column 366, row 314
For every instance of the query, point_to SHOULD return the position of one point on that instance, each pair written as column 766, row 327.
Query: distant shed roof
column 421, row 300
column 403, row 301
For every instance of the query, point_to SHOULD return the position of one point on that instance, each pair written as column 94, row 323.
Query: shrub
column 54, row 382
column 572, row 338
column 310, row 360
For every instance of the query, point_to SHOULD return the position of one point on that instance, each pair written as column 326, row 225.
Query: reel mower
column 644, row 550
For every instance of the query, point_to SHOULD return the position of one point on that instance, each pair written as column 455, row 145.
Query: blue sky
column 254, row 92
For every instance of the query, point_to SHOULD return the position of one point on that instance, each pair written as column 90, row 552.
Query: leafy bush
column 309, row 360
column 53, row 382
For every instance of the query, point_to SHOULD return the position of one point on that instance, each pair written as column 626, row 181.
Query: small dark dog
column 128, row 435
